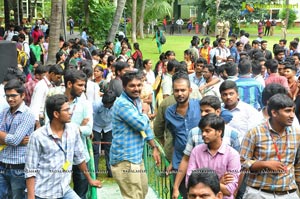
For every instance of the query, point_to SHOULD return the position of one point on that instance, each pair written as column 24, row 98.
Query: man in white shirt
column 222, row 52
column 245, row 117
column 40, row 93
column 179, row 23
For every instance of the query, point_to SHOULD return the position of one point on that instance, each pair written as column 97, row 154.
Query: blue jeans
column 80, row 182
column 12, row 183
column 68, row 195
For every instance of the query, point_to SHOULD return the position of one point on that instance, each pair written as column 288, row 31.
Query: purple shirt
column 225, row 160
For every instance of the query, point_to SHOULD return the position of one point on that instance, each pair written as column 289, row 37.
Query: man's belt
column 12, row 166
column 276, row 192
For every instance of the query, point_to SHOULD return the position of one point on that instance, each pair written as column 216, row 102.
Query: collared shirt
column 81, row 109
column 46, row 155
column 166, row 84
column 250, row 91
column 231, row 138
column 127, row 123
column 198, row 81
column 102, row 117
column 260, row 79
column 213, row 90
column 29, row 87
column 17, row 126
column 275, row 78
column 258, row 145
column 180, row 126
column 245, row 117
column 39, row 97
column 225, row 160
column 232, row 78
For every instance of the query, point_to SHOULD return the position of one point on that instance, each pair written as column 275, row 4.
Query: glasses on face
column 11, row 96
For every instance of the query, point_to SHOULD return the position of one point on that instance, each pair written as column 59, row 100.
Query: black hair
column 272, row 65
column 212, row 101
column 181, row 75
column 231, row 68
column 54, row 103
column 206, row 176
column 297, row 55
column 255, row 42
column 56, row 69
column 283, row 41
column 210, row 68
column 228, row 84
column 244, row 67
column 290, row 66
column 74, row 75
column 270, row 90
column 108, row 97
column 172, row 64
column 256, row 67
column 120, row 66
column 40, row 69
column 131, row 75
column 201, row 60
column 276, row 51
column 279, row 101
column 16, row 85
column 58, row 55
column 294, row 44
column 88, row 71
column 215, row 44
column 214, row 121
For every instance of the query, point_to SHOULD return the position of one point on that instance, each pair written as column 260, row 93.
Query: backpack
column 138, row 62
column 215, row 57
column 162, row 38
column 22, row 56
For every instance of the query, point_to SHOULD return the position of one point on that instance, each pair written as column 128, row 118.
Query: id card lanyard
column 276, row 147
column 66, row 163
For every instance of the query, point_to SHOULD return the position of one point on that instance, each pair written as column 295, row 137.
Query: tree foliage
column 100, row 16
column 292, row 16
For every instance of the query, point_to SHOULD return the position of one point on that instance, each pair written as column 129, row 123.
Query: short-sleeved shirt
column 46, row 155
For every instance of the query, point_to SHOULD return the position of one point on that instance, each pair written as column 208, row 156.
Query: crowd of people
column 230, row 110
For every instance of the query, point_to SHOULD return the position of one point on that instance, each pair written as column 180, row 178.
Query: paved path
column 112, row 191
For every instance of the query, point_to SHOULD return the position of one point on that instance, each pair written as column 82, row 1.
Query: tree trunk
column 55, row 22
column 21, row 11
column 141, row 21
column 217, row 14
column 116, row 21
column 6, row 14
column 287, row 16
column 29, row 17
column 133, row 21
column 86, row 11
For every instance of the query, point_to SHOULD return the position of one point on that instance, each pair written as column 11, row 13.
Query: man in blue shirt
column 181, row 118
column 17, row 123
column 249, row 89
column 102, row 127
column 130, row 129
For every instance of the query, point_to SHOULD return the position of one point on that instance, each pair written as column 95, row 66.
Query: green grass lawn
column 179, row 43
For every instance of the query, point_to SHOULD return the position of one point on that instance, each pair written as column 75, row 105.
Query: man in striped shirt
column 270, row 153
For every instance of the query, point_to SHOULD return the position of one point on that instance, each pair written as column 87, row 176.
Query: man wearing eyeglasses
column 17, row 123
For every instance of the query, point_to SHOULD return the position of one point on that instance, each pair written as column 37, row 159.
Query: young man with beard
column 266, row 52
column 82, row 117
column 130, row 129
column 216, row 155
column 208, row 74
column 270, row 153
column 181, row 118
column 51, row 152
